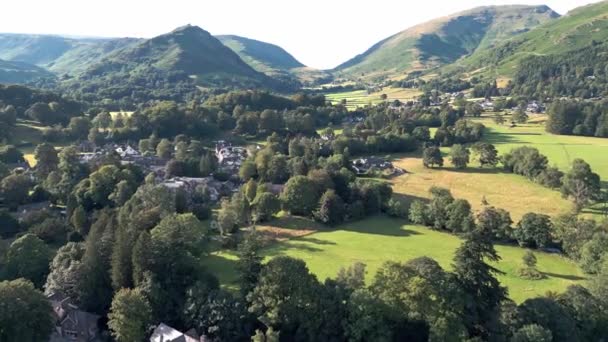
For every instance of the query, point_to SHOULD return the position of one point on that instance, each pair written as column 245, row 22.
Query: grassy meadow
column 378, row 239
column 361, row 98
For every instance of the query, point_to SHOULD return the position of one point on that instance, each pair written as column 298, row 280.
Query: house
column 165, row 333
column 127, row 151
column 487, row 105
column 229, row 157
column 366, row 165
column 72, row 324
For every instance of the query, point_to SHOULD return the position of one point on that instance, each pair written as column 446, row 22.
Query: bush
column 418, row 213
column 397, row 208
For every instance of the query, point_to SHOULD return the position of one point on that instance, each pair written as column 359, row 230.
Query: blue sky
column 320, row 33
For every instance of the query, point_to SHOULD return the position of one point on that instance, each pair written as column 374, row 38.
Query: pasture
column 559, row 149
column 361, row 98
column 378, row 239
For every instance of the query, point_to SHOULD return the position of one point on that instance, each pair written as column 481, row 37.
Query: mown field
column 560, row 149
column 378, row 239
column 361, row 98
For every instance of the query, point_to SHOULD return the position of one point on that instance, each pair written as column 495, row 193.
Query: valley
column 450, row 183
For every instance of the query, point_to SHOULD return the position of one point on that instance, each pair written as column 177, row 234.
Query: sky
column 319, row 33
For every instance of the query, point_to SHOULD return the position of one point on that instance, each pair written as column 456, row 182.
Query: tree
column 421, row 289
column 593, row 252
column 47, row 160
column 164, row 149
column 353, row 277
column 28, row 257
column 130, row 316
column 79, row 127
column 299, row 196
column 250, row 262
column 486, row 154
column 287, row 297
column 529, row 259
column 25, row 314
column 419, row 213
column 496, row 222
column 460, row 217
column 499, row 119
column 15, row 190
column 581, row 183
column 532, row 333
column 533, row 230
column 208, row 164
column 251, row 188
column 431, row 156
column 483, row 292
column 9, row 226
column 102, row 120
column 227, row 218
column 473, row 109
column 66, row 271
column 248, row 170
column 459, row 156
column 331, row 209
column 520, row 115
column 265, row 205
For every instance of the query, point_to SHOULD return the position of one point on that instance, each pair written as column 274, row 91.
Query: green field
column 361, row 98
column 379, row 239
column 560, row 149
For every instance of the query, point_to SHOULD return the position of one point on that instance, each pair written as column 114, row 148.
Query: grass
column 513, row 193
column 361, row 98
column 559, row 149
column 379, row 239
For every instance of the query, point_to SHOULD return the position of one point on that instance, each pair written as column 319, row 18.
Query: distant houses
column 229, row 157
column 371, row 165
column 165, row 333
column 72, row 324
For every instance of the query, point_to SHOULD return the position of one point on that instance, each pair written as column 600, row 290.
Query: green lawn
column 379, row 239
column 560, row 149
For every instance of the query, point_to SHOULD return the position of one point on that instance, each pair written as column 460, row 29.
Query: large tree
column 28, row 257
column 299, row 196
column 25, row 313
column 482, row 291
column 130, row 316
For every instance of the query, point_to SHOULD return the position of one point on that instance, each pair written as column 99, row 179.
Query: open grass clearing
column 379, row 239
column 514, row 193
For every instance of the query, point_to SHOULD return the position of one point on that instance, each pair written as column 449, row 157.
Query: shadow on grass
column 379, row 225
column 563, row 276
column 480, row 170
column 316, row 241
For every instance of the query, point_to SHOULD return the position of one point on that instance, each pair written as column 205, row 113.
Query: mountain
column 445, row 40
column 273, row 60
column 86, row 53
column 580, row 29
column 263, row 57
column 33, row 48
column 171, row 66
column 61, row 55
column 20, row 72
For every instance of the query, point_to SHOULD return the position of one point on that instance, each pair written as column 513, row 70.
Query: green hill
column 445, row 40
column 263, row 57
column 168, row 66
column 20, row 72
column 86, row 53
column 60, row 55
column 33, row 48
column 580, row 29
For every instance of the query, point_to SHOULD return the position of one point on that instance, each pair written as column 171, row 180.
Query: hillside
column 20, row 72
column 32, row 48
column 167, row 67
column 263, row 57
column 581, row 28
column 86, row 53
column 60, row 55
column 444, row 40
